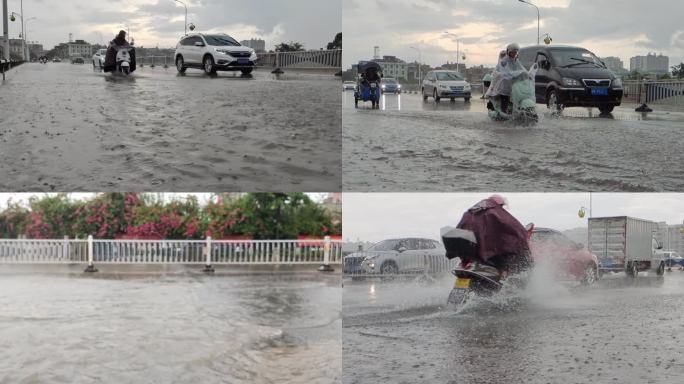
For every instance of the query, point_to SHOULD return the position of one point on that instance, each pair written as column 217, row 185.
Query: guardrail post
column 643, row 107
column 277, row 69
column 276, row 253
column 91, row 268
column 207, row 253
column 165, row 64
column 326, row 256
column 65, row 248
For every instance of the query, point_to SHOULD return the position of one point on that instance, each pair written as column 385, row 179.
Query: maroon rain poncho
column 502, row 240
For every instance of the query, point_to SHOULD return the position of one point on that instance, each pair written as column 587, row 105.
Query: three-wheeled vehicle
column 368, row 83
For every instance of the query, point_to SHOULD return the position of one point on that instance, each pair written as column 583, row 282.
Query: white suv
column 99, row 58
column 213, row 52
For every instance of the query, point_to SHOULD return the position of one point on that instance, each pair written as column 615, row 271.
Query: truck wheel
column 589, row 277
column 661, row 269
column 632, row 269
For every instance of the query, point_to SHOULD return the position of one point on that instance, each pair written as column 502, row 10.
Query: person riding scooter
column 502, row 242
column 115, row 45
column 507, row 69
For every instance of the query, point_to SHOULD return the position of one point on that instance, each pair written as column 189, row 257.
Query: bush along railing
column 324, row 252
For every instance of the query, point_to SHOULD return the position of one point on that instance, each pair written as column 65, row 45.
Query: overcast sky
column 377, row 216
column 606, row 27
column 160, row 22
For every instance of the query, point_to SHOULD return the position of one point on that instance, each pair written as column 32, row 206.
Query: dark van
column 572, row 77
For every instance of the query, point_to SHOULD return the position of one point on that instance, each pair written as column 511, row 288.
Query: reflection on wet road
column 66, row 127
column 411, row 145
column 620, row 331
column 251, row 329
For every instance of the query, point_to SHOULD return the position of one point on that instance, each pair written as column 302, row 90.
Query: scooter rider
column 118, row 42
column 502, row 240
column 508, row 68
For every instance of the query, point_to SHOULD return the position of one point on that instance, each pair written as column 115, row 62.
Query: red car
column 572, row 259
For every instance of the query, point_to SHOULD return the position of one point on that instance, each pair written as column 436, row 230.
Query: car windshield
column 575, row 57
column 385, row 245
column 220, row 40
column 389, row 81
column 448, row 76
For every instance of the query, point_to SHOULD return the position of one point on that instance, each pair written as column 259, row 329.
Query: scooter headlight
column 569, row 82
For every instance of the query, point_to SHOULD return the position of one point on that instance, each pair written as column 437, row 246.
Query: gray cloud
column 607, row 27
column 376, row 216
column 312, row 22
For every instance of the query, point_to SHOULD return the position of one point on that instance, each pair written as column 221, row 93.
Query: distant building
column 258, row 45
column 614, row 64
column 650, row 63
column 460, row 67
column 35, row 49
column 16, row 46
column 394, row 67
column 79, row 48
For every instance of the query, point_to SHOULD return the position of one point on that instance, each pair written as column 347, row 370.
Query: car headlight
column 221, row 50
column 617, row 83
column 253, row 56
column 466, row 87
column 371, row 257
column 399, row 86
column 443, row 86
column 571, row 82
column 383, row 86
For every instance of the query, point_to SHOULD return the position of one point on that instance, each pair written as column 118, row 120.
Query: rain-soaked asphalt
column 67, row 127
column 620, row 331
column 409, row 145
column 174, row 329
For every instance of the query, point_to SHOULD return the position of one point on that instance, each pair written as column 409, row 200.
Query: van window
column 575, row 58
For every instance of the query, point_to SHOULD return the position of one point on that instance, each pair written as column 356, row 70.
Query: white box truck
column 625, row 244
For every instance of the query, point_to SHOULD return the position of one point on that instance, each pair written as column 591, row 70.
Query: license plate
column 462, row 283
column 243, row 61
column 599, row 91
column 373, row 85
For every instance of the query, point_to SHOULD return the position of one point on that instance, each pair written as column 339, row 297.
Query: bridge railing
column 658, row 92
column 207, row 252
column 322, row 59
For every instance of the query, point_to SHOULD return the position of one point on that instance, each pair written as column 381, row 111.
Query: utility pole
column 528, row 3
column 5, row 31
column 186, row 16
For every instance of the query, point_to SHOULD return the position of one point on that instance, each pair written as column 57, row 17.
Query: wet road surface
column 411, row 145
column 67, row 127
column 619, row 331
column 207, row 329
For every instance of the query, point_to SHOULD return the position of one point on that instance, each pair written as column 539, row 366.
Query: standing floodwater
column 620, row 331
column 66, row 127
column 180, row 329
column 411, row 145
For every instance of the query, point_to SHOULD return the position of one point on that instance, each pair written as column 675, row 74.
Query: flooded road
column 205, row 329
column 67, row 127
column 619, row 331
column 411, row 145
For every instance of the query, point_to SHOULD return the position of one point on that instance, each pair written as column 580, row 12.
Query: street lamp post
column 458, row 43
column 5, row 32
column 28, row 51
column 528, row 3
column 420, row 59
column 23, row 42
column 186, row 15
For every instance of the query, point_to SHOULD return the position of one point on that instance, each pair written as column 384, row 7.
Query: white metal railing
column 153, row 61
column 659, row 92
column 322, row 59
column 207, row 252
column 24, row 251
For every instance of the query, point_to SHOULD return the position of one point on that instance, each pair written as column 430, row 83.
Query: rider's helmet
column 499, row 200
column 512, row 47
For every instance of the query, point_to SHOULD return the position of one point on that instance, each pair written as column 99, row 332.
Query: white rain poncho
column 506, row 70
